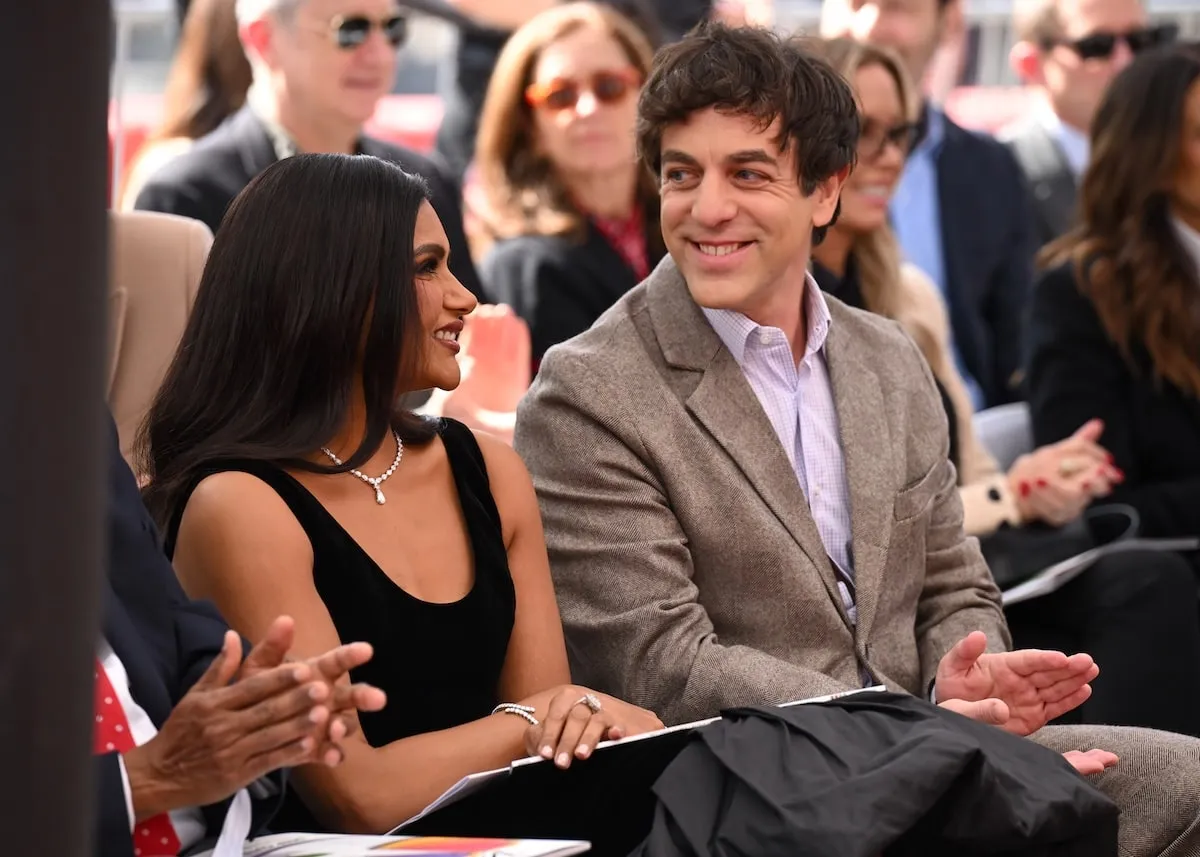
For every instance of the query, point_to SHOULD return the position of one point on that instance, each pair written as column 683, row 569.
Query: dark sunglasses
column 351, row 31
column 607, row 87
column 1099, row 46
column 875, row 138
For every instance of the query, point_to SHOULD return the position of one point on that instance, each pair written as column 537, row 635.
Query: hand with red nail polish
column 1055, row 483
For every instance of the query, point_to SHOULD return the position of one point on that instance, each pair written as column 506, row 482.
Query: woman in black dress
column 288, row 481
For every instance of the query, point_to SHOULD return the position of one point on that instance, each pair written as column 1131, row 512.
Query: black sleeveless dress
column 439, row 664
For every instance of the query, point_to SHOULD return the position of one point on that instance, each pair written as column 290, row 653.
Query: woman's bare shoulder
column 237, row 511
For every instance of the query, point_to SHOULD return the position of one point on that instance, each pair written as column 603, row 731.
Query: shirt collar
column 281, row 141
column 1076, row 147
column 735, row 329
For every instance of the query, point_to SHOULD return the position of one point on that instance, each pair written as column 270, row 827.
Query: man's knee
column 1156, row 784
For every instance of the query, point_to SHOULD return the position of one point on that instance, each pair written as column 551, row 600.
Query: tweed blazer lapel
column 863, row 427
column 718, row 395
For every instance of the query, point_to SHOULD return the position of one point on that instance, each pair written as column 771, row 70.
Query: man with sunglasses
column 320, row 68
column 979, row 256
column 1069, row 51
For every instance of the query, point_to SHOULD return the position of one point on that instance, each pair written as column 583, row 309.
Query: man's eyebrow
column 678, row 157
column 752, row 156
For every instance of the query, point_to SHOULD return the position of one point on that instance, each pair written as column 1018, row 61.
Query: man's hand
column 995, row 712
column 1035, row 686
column 333, row 667
column 221, row 736
column 991, row 711
column 1091, row 762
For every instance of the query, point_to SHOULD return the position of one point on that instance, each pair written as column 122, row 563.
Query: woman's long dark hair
column 1126, row 254
column 307, row 292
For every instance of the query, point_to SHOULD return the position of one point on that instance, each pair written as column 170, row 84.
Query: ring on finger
column 590, row 700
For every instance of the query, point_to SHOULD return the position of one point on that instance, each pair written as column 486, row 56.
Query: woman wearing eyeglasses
column 1124, row 616
column 1115, row 321
column 573, row 220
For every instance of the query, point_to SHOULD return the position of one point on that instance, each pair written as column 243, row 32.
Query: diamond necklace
column 373, row 481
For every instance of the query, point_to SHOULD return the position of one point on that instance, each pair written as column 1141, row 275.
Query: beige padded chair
column 156, row 263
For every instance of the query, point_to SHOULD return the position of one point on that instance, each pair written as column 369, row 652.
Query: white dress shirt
column 189, row 823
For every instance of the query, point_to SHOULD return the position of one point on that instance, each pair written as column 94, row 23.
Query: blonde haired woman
column 1125, row 617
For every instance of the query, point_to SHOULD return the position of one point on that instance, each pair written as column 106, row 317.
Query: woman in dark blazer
column 573, row 220
column 1115, row 325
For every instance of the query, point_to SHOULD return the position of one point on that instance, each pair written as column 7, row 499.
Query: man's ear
column 826, row 196
column 1025, row 59
column 256, row 38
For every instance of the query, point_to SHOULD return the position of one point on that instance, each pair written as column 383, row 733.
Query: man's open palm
column 1037, row 686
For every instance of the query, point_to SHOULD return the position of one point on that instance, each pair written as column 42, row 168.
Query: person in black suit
column 1069, row 53
column 1116, row 318
column 574, row 220
column 961, row 211
column 204, row 723
column 320, row 68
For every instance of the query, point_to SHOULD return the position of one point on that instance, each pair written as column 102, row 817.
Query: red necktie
column 153, row 836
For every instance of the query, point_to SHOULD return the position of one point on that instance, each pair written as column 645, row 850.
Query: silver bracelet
column 523, row 711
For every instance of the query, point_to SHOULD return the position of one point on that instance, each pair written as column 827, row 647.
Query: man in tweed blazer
column 746, row 487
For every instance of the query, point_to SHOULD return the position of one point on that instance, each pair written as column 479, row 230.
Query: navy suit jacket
column 988, row 245
column 164, row 640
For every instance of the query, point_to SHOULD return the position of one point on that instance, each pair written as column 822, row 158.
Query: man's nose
column 713, row 203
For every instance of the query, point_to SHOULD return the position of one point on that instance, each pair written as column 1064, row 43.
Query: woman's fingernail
column 1042, row 483
column 1024, row 489
column 582, row 751
column 547, row 752
column 563, row 760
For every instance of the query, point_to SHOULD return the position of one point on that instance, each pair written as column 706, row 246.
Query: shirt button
column 764, row 337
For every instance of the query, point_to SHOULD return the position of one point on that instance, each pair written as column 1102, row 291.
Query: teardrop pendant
column 379, row 498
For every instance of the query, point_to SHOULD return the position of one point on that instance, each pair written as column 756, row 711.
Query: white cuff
column 128, row 792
